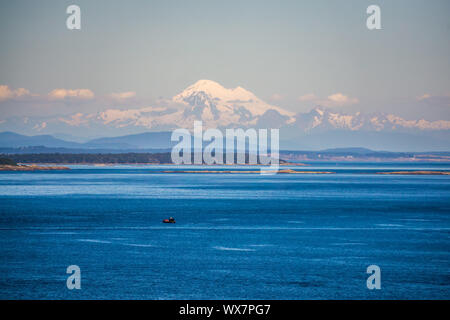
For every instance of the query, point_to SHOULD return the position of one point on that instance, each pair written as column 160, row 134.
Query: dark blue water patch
column 236, row 236
column 216, row 264
column 106, row 212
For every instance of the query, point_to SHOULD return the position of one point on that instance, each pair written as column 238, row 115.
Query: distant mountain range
column 159, row 142
column 11, row 142
column 15, row 140
column 148, row 140
column 219, row 107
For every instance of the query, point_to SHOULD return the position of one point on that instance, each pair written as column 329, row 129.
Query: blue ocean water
column 237, row 236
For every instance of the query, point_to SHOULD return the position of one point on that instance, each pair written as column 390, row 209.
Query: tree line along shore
column 54, row 161
column 7, row 164
column 102, row 158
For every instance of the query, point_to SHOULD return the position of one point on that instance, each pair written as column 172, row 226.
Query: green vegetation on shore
column 100, row 158
column 92, row 158
column 7, row 164
column 419, row 172
column 7, row 161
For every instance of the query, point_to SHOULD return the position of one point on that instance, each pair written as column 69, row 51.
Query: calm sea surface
column 237, row 236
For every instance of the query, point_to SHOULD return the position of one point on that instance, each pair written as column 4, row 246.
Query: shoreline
column 206, row 170
column 418, row 172
column 290, row 171
column 32, row 167
column 152, row 164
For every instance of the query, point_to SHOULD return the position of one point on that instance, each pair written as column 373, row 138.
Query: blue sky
column 280, row 50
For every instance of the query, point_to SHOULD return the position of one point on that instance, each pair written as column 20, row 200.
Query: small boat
column 170, row 220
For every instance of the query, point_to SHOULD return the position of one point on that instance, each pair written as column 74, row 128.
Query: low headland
column 130, row 158
column 56, row 161
column 248, row 171
column 7, row 164
column 419, row 172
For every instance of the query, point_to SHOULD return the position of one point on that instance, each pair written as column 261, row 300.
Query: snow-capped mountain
column 321, row 119
column 205, row 100
column 220, row 107
column 217, row 106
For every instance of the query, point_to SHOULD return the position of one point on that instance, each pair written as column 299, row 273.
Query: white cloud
column 6, row 93
column 333, row 100
column 40, row 126
column 77, row 119
column 424, row 97
column 123, row 95
column 438, row 99
column 61, row 94
column 339, row 100
column 308, row 97
column 276, row 97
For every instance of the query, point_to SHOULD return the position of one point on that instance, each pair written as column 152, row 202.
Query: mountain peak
column 234, row 104
column 206, row 83
column 207, row 86
column 319, row 110
column 214, row 90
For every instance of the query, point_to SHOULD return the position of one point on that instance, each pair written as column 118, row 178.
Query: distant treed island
column 92, row 158
column 103, row 158
column 7, row 162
